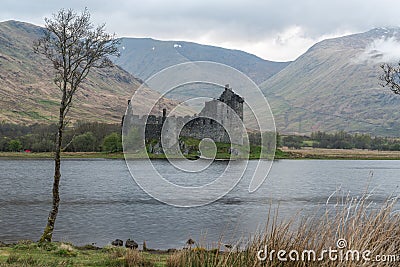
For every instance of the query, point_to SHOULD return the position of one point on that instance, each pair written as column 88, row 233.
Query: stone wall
column 218, row 117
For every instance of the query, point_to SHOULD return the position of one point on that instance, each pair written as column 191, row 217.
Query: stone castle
column 218, row 118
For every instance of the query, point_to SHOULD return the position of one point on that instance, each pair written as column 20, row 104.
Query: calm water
column 100, row 201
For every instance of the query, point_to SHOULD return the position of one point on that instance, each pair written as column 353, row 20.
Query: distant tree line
column 81, row 137
column 342, row 140
column 103, row 137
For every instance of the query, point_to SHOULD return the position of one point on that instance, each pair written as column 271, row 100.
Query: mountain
column 28, row 94
column 335, row 86
column 144, row 57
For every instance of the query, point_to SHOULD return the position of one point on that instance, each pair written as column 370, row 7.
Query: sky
column 279, row 30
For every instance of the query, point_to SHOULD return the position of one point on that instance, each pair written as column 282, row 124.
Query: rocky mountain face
column 335, row 86
column 28, row 94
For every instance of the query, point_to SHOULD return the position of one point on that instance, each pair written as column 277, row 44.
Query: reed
column 351, row 226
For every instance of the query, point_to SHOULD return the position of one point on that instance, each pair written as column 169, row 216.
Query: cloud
column 272, row 29
column 385, row 49
column 281, row 46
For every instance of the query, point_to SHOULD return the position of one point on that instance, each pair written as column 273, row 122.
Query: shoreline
column 342, row 154
column 283, row 153
column 87, row 246
column 30, row 253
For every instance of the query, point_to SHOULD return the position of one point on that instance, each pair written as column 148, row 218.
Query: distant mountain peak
column 144, row 57
column 386, row 30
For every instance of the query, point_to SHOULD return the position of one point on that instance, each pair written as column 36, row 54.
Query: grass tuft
column 134, row 258
column 66, row 250
column 358, row 221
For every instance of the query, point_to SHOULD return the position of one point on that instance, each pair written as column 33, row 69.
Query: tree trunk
column 47, row 235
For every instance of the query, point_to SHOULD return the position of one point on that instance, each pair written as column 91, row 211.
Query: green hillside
column 28, row 94
column 335, row 86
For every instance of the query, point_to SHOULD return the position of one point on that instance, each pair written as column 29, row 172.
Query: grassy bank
column 28, row 253
column 102, row 155
column 360, row 233
column 305, row 153
column 354, row 154
column 65, row 155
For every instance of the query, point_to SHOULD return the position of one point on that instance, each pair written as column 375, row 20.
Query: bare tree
column 391, row 77
column 74, row 46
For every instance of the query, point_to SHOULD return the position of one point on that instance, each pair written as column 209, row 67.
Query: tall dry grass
column 363, row 224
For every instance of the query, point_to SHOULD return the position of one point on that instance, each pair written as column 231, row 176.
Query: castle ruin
column 218, row 118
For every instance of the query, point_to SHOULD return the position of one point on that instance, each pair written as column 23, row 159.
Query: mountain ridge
column 334, row 86
column 28, row 94
column 146, row 56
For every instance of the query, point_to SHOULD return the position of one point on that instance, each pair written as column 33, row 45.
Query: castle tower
column 229, row 98
column 233, row 100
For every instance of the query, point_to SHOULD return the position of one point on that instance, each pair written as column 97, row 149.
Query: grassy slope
column 28, row 94
column 330, row 88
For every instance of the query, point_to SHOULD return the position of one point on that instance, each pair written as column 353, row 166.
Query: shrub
column 14, row 146
column 84, row 142
column 12, row 258
column 112, row 143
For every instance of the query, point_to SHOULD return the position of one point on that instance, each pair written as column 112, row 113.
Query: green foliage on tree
column 40, row 137
column 342, row 140
column 14, row 146
column 293, row 141
column 278, row 140
column 345, row 140
column 84, row 142
column 42, row 145
column 112, row 143
column 4, row 143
